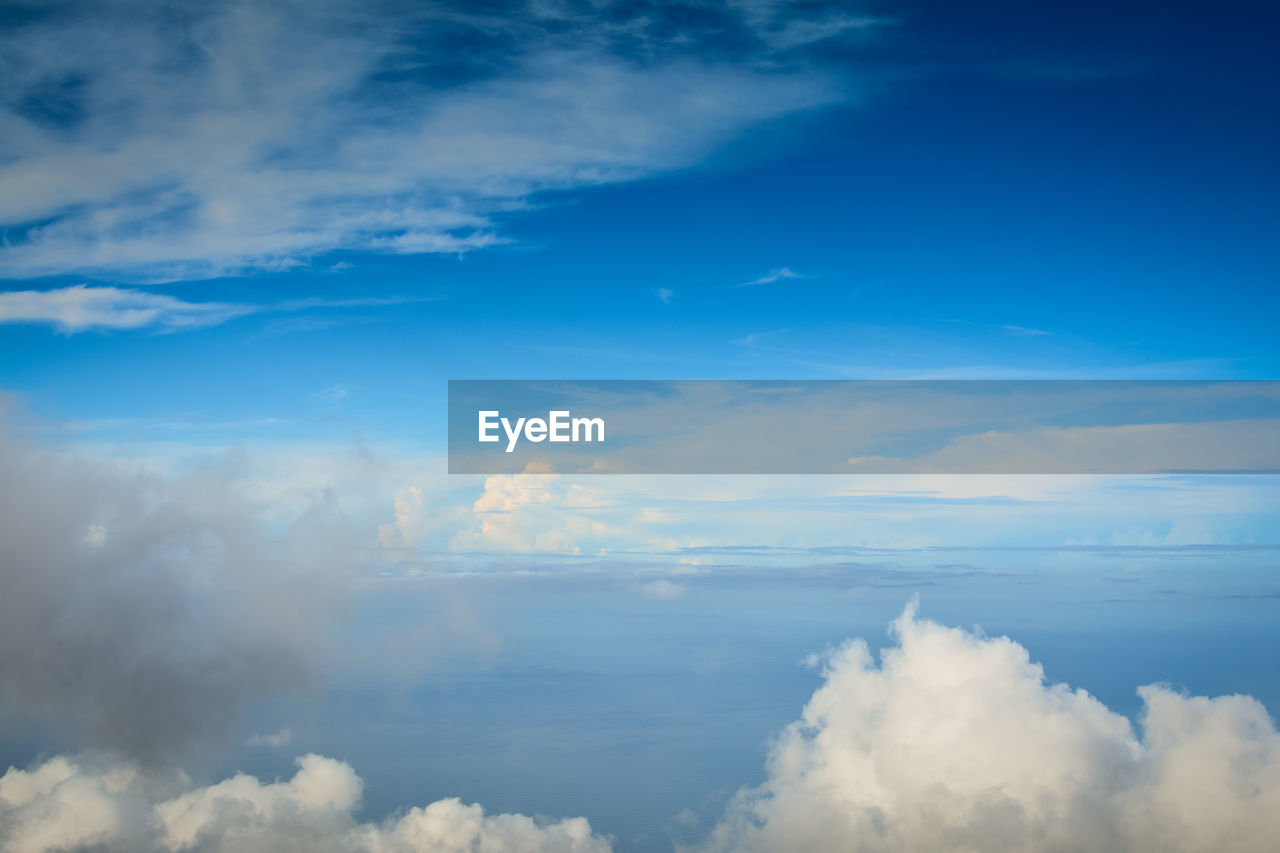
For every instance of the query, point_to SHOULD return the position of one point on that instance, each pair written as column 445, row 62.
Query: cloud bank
column 66, row 805
column 952, row 741
column 955, row 741
column 198, row 139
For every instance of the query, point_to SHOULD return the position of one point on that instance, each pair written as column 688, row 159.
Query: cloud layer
column 214, row 138
column 955, row 741
column 952, row 741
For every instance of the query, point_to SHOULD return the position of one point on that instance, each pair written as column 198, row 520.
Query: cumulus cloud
column 537, row 512
column 951, row 741
column 69, row 805
column 411, row 520
column 955, row 741
column 214, row 138
column 145, row 610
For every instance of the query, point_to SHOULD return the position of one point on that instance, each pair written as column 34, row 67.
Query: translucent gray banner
column 855, row 426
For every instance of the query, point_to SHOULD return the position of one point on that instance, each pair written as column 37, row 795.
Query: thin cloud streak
column 772, row 276
column 81, row 308
column 753, row 337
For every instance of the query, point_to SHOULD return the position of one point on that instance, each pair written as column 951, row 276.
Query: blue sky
column 244, row 246
column 989, row 194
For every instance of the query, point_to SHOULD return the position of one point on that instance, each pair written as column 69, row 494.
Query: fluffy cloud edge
column 954, row 740
column 70, row 804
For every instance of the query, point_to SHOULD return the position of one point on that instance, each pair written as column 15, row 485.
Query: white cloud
column 753, row 337
column 64, row 805
column 406, row 530
column 274, row 740
column 955, row 741
column 332, row 395
column 665, row 294
column 237, row 136
column 1024, row 331
column 81, row 308
column 687, row 818
column 417, row 517
column 778, row 24
column 535, row 512
column 773, row 275
column 78, row 308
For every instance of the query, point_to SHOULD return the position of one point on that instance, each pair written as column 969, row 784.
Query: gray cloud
column 146, row 611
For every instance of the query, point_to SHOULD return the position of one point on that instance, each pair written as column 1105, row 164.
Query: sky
column 244, row 246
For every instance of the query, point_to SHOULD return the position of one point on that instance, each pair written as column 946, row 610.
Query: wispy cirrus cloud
column 1024, row 331
column 754, row 337
column 82, row 308
column 232, row 136
column 773, row 275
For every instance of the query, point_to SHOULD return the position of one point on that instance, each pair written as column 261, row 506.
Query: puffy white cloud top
column 62, row 805
column 955, row 741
